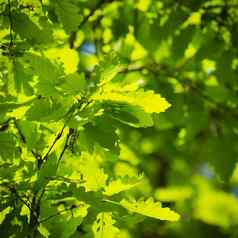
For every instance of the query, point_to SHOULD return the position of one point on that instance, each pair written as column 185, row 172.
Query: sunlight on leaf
column 4, row 213
column 151, row 209
column 104, row 227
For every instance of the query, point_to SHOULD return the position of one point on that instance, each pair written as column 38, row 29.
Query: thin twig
column 69, row 115
column 66, row 145
column 14, row 191
column 58, row 213
column 58, row 136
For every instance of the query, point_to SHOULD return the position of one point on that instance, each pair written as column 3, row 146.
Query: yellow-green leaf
column 43, row 230
column 146, row 100
column 178, row 193
column 4, row 213
column 93, row 175
column 119, row 185
column 151, row 209
column 25, row 211
column 104, row 227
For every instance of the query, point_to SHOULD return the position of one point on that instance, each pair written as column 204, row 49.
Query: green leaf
column 73, row 84
column 68, row 13
column 43, row 230
column 4, row 213
column 104, row 227
column 22, row 79
column 147, row 101
column 48, row 74
column 108, row 68
column 25, row 211
column 30, row 132
column 70, row 227
column 8, row 106
column 7, row 145
column 47, row 170
column 210, row 203
column 128, row 114
column 71, row 216
column 45, row 109
column 94, row 176
column 27, row 29
column 173, row 193
column 151, row 209
column 100, row 133
column 218, row 148
column 121, row 184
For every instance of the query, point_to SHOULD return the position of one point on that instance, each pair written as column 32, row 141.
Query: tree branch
column 58, row 136
column 72, row 37
column 66, row 145
column 13, row 190
column 59, row 213
column 4, row 126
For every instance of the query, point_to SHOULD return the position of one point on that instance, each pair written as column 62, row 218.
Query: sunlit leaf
column 151, row 209
column 4, row 213
column 104, row 227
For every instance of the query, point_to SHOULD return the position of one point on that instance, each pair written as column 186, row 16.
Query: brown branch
column 68, row 115
column 58, row 136
column 66, row 145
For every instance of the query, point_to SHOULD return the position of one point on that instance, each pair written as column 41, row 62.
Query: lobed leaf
column 151, row 209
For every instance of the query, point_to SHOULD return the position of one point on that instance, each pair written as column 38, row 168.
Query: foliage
column 118, row 118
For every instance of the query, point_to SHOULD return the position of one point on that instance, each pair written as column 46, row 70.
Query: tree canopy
column 118, row 119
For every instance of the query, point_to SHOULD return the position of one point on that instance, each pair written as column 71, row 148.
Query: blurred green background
column 186, row 51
